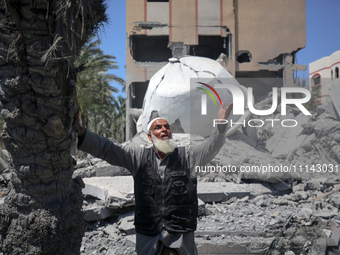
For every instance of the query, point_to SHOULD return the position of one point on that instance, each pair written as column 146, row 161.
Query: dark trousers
column 169, row 251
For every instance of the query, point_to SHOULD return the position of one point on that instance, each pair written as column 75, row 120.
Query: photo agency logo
column 243, row 99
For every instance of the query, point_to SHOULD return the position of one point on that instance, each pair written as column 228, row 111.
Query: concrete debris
column 249, row 210
column 333, row 236
column 91, row 167
column 220, row 191
column 116, row 192
column 125, row 223
column 241, row 212
column 97, row 212
column 201, row 207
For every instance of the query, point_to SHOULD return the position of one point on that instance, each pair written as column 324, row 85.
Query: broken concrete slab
column 126, row 223
column 110, row 170
column 325, row 214
column 221, row 191
column 334, row 239
column 201, row 207
column 94, row 190
column 235, row 233
column 242, row 246
column 97, row 212
column 270, row 177
column 319, row 246
column 81, row 164
column 111, row 230
column 116, row 192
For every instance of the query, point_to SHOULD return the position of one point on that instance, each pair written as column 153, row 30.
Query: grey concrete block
column 126, row 223
column 116, row 192
column 109, row 170
column 201, row 207
column 221, row 191
column 226, row 248
column 96, row 212
column 110, row 230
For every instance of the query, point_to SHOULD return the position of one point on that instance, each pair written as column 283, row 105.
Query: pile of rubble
column 244, row 218
column 241, row 212
column 289, row 212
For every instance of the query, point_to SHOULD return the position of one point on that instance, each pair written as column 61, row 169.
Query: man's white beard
column 166, row 146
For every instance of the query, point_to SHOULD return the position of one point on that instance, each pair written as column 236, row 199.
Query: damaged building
column 252, row 39
column 323, row 75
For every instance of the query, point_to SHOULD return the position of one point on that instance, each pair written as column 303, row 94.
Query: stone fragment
column 319, row 245
column 326, row 214
column 269, row 174
column 109, row 170
column 111, row 251
column 97, row 212
column 334, row 237
column 299, row 195
column 335, row 200
column 299, row 187
column 126, row 223
column 116, row 192
column 222, row 191
column 261, row 200
column 94, row 190
column 332, row 181
column 304, row 213
column 201, row 207
column 81, row 164
column 313, row 185
column 110, row 230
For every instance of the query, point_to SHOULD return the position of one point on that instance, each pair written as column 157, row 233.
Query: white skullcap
column 152, row 121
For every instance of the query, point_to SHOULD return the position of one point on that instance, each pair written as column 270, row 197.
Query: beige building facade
column 323, row 74
column 259, row 39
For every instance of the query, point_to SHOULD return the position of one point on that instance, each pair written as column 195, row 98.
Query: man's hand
column 224, row 113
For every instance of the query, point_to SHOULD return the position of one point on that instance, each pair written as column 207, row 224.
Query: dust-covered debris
column 287, row 212
column 241, row 212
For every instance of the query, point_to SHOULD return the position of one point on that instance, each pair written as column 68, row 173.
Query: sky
column 323, row 34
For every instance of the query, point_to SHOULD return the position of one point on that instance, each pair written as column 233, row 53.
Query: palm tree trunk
column 39, row 40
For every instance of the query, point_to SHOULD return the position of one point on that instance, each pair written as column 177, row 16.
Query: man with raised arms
column 165, row 184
